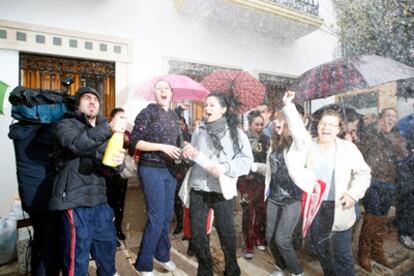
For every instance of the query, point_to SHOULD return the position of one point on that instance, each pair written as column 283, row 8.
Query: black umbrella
column 346, row 74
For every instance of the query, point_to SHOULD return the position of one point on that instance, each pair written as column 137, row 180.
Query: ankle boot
column 190, row 250
column 377, row 253
column 179, row 215
column 364, row 246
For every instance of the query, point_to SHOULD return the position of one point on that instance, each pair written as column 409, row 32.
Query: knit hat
column 84, row 90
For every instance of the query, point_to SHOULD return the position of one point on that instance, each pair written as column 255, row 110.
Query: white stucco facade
column 154, row 32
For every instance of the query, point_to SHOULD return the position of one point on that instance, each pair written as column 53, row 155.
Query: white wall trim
column 61, row 42
column 166, row 59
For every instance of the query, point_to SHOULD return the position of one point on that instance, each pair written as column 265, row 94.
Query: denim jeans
column 332, row 249
column 200, row 202
column 379, row 197
column 159, row 189
column 89, row 230
column 281, row 221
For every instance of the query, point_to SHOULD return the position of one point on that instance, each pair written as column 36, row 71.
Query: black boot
column 120, row 235
column 190, row 250
column 178, row 210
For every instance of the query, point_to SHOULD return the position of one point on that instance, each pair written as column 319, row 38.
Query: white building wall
column 160, row 32
column 9, row 65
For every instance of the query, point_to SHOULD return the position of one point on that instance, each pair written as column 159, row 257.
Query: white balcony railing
column 308, row 6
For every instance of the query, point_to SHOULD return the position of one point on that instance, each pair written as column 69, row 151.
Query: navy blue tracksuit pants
column 89, row 230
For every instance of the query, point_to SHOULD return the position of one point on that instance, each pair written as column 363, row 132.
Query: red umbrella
column 249, row 91
column 310, row 205
column 346, row 74
column 183, row 88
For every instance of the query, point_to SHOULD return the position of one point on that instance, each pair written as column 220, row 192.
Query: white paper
column 202, row 160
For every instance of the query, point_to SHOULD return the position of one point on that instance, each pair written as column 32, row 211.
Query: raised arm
column 300, row 135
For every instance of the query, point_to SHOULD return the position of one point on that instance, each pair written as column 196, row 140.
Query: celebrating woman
column 283, row 196
column 341, row 166
column 221, row 140
column 251, row 188
column 156, row 134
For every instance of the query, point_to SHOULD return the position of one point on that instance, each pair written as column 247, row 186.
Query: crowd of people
column 270, row 166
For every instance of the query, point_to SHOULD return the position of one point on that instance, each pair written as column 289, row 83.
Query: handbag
column 130, row 168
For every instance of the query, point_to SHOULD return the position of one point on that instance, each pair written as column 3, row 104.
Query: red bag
column 187, row 227
column 310, row 205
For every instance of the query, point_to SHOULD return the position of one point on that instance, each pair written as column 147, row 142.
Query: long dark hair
column 232, row 116
column 283, row 141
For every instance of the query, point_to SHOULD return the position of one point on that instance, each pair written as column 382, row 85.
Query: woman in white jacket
column 347, row 176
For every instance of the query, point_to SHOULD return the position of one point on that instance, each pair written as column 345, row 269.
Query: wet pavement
column 401, row 258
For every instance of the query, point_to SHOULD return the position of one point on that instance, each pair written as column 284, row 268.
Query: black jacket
column 80, row 147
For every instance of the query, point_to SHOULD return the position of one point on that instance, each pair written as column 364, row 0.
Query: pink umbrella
column 183, row 88
column 310, row 205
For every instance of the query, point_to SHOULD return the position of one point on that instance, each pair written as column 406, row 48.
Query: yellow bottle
column 115, row 144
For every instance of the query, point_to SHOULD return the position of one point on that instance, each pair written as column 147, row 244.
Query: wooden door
column 47, row 72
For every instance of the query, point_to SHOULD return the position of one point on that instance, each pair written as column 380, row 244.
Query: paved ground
column 261, row 265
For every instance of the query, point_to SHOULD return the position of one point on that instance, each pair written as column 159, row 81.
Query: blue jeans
column 89, row 230
column 281, row 221
column 332, row 249
column 159, row 190
column 379, row 197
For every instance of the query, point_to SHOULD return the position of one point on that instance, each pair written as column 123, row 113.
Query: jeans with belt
column 332, row 249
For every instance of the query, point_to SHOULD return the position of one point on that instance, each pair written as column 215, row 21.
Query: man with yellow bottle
column 79, row 189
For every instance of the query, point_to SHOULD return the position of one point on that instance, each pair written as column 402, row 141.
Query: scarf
column 216, row 130
column 254, row 140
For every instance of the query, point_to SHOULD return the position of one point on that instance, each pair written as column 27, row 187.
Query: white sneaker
column 300, row 274
column 277, row 273
column 248, row 255
column 407, row 241
column 170, row 265
column 261, row 247
column 146, row 273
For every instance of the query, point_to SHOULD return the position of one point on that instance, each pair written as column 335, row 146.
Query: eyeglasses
column 327, row 125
